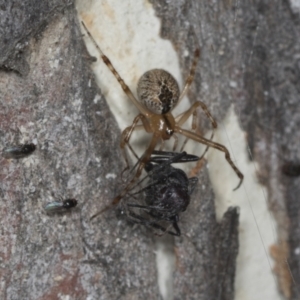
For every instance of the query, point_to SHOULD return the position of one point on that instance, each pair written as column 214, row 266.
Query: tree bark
column 256, row 45
column 48, row 93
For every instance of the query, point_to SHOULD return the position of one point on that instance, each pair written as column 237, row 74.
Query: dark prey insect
column 60, row 206
column 166, row 195
column 158, row 94
column 18, row 151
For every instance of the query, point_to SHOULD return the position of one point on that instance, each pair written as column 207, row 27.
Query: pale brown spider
column 158, row 94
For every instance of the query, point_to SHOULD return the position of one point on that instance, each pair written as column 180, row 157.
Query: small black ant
column 60, row 206
column 167, row 193
column 19, row 151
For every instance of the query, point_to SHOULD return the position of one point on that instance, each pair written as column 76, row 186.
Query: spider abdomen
column 158, row 90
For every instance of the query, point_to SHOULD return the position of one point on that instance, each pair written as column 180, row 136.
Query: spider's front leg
column 126, row 135
column 141, row 164
column 209, row 143
column 181, row 119
column 192, row 110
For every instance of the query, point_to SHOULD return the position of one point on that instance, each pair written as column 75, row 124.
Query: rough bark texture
column 57, row 103
column 249, row 57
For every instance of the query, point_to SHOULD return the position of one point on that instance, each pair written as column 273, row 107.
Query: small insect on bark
column 19, row 151
column 60, row 206
column 158, row 94
column 291, row 169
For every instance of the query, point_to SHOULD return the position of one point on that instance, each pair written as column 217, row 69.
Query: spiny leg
column 193, row 110
column 194, row 128
column 191, row 76
column 145, row 158
column 184, row 116
column 162, row 144
column 204, row 107
column 175, row 137
column 124, row 153
column 124, row 86
column 126, row 135
column 203, row 140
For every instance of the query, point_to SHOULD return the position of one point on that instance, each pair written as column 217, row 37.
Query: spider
column 167, row 193
column 158, row 94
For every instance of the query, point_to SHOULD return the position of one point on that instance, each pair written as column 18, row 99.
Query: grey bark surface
column 255, row 45
column 48, row 91
column 57, row 102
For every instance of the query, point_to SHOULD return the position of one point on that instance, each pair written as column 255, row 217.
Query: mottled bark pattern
column 250, row 57
column 48, row 92
column 57, row 104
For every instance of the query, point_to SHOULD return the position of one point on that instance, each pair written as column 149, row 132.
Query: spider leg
column 174, row 136
column 209, row 143
column 145, row 158
column 142, row 162
column 180, row 120
column 137, row 127
column 184, row 116
column 124, row 86
column 191, row 76
column 126, row 134
column 162, row 144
